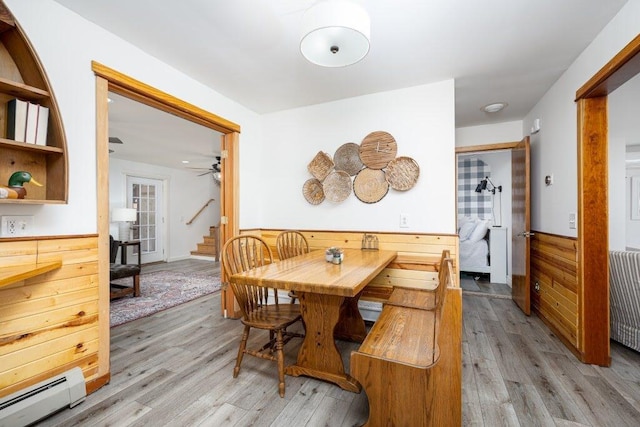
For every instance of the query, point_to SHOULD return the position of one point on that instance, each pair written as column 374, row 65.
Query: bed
column 474, row 245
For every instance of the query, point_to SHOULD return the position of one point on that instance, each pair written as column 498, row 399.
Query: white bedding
column 474, row 256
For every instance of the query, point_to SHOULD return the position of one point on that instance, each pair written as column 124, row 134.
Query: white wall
column 554, row 148
column 185, row 194
column 489, row 134
column 66, row 45
column 421, row 119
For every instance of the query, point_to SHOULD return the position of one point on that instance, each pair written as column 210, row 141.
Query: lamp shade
column 123, row 214
column 335, row 33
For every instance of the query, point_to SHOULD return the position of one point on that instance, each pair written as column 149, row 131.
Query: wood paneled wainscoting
column 49, row 322
column 555, row 286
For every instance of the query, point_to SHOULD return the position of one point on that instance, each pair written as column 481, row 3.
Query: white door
column 146, row 196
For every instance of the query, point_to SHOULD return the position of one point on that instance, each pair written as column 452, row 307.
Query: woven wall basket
column 320, row 166
column 370, row 185
column 337, row 186
column 313, row 192
column 347, row 158
column 402, row 173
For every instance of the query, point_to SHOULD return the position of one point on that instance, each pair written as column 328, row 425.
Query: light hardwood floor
column 175, row 368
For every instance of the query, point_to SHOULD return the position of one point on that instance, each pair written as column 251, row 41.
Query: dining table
column 328, row 295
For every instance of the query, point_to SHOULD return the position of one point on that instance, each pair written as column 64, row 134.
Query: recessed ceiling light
column 109, row 100
column 185, row 161
column 494, row 107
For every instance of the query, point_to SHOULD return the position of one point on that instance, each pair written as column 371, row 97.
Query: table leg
column 351, row 325
column 318, row 356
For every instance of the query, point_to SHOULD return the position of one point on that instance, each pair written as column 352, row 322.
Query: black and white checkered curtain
column 470, row 173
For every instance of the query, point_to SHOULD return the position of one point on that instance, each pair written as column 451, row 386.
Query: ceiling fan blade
column 115, row 140
column 206, row 173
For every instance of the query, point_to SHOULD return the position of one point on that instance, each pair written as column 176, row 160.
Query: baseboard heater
column 43, row 399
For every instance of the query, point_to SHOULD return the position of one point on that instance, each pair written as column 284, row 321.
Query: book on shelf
column 43, row 123
column 16, row 119
column 32, row 123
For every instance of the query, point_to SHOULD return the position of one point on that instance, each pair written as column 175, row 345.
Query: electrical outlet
column 572, row 220
column 404, row 221
column 14, row 226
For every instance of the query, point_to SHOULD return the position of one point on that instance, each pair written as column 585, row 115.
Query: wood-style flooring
column 174, row 368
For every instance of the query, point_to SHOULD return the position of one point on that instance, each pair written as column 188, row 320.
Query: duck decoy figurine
column 15, row 189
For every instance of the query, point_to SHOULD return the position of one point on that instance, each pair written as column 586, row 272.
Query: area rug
column 160, row 290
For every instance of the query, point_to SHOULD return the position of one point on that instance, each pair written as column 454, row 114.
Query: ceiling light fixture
column 494, row 107
column 335, row 33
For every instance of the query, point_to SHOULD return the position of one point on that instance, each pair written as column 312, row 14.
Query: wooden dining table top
column 312, row 273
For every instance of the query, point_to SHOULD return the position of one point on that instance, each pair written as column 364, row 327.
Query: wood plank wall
column 554, row 267
column 418, row 255
column 49, row 323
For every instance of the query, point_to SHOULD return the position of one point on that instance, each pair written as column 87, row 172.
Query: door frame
column 593, row 201
column 500, row 146
column 110, row 80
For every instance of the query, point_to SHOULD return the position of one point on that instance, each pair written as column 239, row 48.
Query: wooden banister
column 200, row 211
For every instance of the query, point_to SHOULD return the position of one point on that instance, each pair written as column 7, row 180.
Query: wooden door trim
column 146, row 94
column 593, row 204
column 108, row 79
column 487, row 147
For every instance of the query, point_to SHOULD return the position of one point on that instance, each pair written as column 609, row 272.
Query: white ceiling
column 248, row 50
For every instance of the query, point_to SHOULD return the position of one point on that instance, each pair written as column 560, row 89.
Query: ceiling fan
column 214, row 170
column 114, row 140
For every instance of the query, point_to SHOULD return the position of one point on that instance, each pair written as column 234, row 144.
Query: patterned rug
column 158, row 291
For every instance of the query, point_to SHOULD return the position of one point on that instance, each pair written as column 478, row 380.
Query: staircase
column 209, row 248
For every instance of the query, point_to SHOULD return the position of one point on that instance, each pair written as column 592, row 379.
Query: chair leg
column 136, row 285
column 243, row 346
column 280, row 354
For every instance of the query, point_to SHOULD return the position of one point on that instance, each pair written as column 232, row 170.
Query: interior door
column 146, row 196
column 521, row 223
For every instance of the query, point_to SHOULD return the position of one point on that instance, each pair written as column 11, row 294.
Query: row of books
column 27, row 122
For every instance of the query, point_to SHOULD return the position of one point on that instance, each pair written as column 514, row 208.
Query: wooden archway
column 593, row 201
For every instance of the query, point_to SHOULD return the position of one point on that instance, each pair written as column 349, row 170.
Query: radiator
column 43, row 399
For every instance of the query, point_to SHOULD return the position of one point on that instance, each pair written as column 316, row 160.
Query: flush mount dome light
column 335, row 33
column 494, row 107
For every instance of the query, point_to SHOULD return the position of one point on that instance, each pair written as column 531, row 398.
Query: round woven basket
column 313, row 192
column 337, row 186
column 402, row 173
column 370, row 185
column 347, row 158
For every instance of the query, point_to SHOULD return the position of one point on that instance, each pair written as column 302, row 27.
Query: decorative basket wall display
column 373, row 164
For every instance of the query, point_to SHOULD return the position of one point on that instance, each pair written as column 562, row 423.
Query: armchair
column 122, row 269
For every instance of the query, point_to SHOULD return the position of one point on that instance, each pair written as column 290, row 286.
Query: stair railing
column 200, row 211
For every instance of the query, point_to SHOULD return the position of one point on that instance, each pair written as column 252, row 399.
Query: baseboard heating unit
column 43, row 399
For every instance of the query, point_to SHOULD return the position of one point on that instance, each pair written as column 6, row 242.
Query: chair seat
column 118, row 271
column 273, row 316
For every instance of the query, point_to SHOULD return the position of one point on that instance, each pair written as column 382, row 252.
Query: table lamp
column 124, row 216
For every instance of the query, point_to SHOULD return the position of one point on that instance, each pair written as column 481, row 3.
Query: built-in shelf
column 11, row 275
column 23, row 77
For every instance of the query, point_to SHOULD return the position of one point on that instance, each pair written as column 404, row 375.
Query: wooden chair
column 291, row 243
column 242, row 253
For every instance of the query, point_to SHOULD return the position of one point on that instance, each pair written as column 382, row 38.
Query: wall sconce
column 484, row 185
column 124, row 216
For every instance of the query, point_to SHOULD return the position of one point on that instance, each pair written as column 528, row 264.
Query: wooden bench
column 410, row 364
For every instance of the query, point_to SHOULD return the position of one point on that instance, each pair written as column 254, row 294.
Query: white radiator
column 40, row 400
